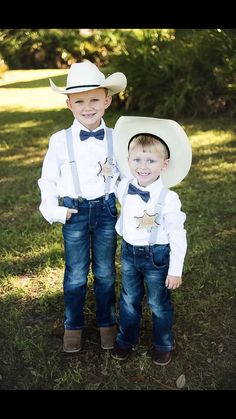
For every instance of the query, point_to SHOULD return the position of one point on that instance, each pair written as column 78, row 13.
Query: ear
column 68, row 104
column 165, row 164
column 108, row 101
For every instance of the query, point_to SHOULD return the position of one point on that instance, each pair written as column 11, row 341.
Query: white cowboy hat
column 86, row 76
column 169, row 131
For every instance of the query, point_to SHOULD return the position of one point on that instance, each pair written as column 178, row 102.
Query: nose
column 143, row 165
column 87, row 106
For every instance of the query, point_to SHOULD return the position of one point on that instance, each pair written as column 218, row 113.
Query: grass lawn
column 31, row 265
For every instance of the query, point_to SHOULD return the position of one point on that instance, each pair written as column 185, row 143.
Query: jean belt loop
column 78, row 201
column 74, row 203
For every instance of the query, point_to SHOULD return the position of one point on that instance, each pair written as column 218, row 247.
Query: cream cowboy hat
column 86, row 76
column 169, row 131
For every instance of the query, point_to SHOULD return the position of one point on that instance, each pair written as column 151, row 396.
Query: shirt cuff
column 56, row 214
column 59, row 214
column 175, row 270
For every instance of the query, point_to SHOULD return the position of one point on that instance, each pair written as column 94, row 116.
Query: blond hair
column 149, row 143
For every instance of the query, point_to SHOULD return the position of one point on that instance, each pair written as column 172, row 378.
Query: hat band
column 84, row 85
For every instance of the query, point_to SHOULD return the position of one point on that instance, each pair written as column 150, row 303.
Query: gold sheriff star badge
column 106, row 169
column 146, row 221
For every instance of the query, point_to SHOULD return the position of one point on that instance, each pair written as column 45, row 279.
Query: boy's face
column 146, row 164
column 89, row 107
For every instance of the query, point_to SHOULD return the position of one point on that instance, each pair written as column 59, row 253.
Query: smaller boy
column 153, row 154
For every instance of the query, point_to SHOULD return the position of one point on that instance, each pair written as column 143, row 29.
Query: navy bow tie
column 145, row 195
column 99, row 135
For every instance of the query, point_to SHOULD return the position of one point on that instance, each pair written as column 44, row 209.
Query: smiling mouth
column 143, row 174
column 90, row 115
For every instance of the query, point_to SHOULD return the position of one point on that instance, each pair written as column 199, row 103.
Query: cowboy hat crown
column 86, row 76
column 169, row 131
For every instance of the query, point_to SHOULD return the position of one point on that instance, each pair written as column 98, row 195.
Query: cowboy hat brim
column 114, row 83
column 169, row 131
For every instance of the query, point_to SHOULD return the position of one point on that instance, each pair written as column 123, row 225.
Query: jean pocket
column 111, row 207
column 161, row 255
column 70, row 204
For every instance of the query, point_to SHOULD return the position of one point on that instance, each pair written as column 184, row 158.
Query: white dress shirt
column 56, row 179
column 171, row 229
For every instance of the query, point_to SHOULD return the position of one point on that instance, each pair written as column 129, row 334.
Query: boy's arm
column 49, row 206
column 174, row 220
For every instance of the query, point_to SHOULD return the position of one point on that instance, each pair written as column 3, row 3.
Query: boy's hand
column 69, row 213
column 173, row 282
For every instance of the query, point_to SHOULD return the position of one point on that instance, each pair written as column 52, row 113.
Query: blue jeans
column 90, row 236
column 145, row 265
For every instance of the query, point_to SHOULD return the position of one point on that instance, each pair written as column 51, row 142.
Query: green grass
column 31, row 265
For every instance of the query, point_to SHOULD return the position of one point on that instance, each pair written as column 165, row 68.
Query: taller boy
column 80, row 168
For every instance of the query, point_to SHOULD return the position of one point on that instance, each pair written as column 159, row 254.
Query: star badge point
column 106, row 169
column 146, row 221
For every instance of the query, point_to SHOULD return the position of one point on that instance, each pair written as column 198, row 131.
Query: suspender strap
column 122, row 206
column 158, row 208
column 73, row 167
column 109, row 159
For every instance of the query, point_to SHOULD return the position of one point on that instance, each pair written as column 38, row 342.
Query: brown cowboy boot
column 108, row 336
column 72, row 341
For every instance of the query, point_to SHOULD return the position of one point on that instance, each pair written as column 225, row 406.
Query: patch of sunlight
column 31, row 99
column 227, row 233
column 26, row 124
column 25, row 159
column 8, row 179
column 15, row 76
column 219, row 170
column 219, row 166
column 4, row 146
column 48, row 280
column 13, row 158
column 214, row 151
column 212, row 137
column 35, row 155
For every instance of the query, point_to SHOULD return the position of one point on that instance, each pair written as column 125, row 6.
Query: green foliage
column 189, row 72
column 171, row 73
column 40, row 48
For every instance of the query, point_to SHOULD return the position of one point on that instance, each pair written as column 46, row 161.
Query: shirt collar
column 77, row 126
column 152, row 188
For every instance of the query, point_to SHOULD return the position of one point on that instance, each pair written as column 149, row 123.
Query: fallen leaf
column 180, row 382
column 220, row 348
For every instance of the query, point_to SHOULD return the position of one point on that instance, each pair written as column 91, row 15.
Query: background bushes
column 171, row 72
